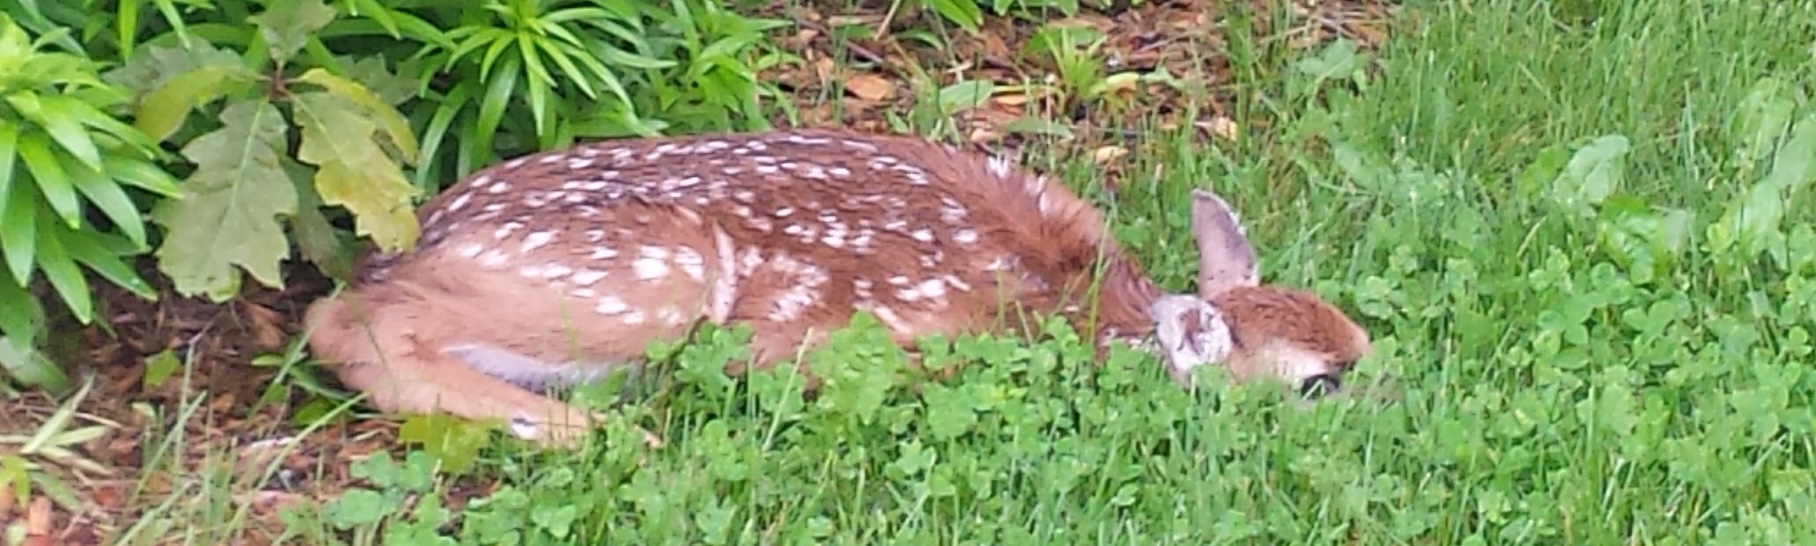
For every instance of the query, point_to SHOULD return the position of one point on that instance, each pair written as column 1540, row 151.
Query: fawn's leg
column 384, row 358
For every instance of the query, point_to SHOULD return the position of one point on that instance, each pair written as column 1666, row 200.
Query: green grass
column 1518, row 204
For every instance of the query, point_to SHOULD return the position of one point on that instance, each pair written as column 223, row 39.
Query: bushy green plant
column 68, row 172
column 543, row 73
column 249, row 179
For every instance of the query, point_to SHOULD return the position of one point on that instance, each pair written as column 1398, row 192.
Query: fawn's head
column 1254, row 330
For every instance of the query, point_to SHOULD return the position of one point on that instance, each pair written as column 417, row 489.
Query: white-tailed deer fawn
column 555, row 268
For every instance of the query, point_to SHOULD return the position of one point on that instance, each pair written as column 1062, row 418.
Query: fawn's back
column 558, row 266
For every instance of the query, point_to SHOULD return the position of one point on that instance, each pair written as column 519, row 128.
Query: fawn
column 558, row 267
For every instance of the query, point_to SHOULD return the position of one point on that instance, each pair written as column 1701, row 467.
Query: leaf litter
column 170, row 434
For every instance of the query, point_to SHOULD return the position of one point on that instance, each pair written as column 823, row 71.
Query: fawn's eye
column 1318, row 386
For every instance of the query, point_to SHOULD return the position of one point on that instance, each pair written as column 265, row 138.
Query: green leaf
column 1751, row 220
column 52, row 181
column 25, row 364
column 94, row 118
column 144, row 175
column 229, row 215
column 949, row 412
column 63, row 126
column 1593, row 173
column 315, row 237
column 392, row 88
column 1545, row 167
column 394, row 124
column 21, row 316
column 288, row 26
column 1761, row 119
column 95, row 250
column 9, row 151
column 451, row 105
column 965, row 95
column 567, row 66
column 162, row 111
column 453, row 443
column 154, row 67
column 1791, row 167
column 159, row 367
column 107, row 195
column 126, row 26
column 352, row 172
column 359, row 508
column 491, row 108
column 19, row 239
column 62, row 272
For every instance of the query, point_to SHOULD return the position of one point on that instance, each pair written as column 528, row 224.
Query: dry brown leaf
column 984, row 135
column 266, row 325
column 1222, row 127
column 870, row 87
column 1109, row 154
column 1015, row 99
column 108, row 496
column 824, row 68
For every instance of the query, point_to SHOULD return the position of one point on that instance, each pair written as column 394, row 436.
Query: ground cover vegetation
column 1578, row 230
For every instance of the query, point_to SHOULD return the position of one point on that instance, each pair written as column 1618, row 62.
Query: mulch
column 228, row 409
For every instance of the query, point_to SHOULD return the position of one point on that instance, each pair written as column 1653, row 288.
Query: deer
column 556, row 268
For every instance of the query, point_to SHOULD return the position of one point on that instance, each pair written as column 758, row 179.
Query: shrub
column 63, row 156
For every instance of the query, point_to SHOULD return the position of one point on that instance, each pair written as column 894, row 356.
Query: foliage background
column 1576, row 224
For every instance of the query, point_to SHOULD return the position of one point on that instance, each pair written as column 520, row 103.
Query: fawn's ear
column 1191, row 333
column 1225, row 258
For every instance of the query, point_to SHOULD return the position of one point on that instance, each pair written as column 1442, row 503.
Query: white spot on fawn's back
column 611, row 306
column 460, row 202
column 586, row 277
column 652, row 263
column 536, row 240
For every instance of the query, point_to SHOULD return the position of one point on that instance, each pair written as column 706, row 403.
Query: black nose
column 1319, row 386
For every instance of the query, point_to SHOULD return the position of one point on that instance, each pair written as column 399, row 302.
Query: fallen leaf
column 870, row 87
column 266, row 325
column 1013, row 99
column 108, row 496
column 982, row 135
column 1222, row 127
column 824, row 68
column 1109, row 154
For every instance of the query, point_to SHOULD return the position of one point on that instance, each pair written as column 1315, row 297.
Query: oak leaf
column 231, row 207
column 353, row 171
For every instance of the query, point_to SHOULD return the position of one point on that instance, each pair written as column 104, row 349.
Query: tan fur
column 1269, row 318
column 551, row 268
